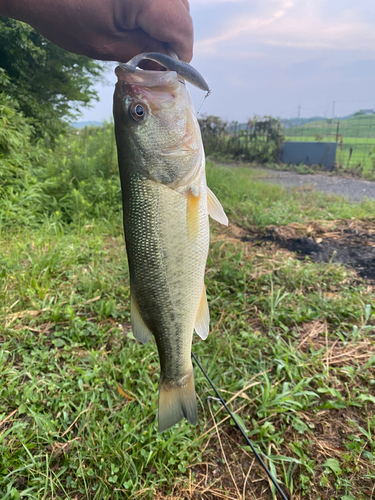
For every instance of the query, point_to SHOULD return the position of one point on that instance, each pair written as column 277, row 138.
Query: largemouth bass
column 166, row 204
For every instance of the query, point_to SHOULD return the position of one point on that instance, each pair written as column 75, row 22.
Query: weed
column 291, row 348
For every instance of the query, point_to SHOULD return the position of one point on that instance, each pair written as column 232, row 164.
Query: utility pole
column 333, row 108
column 299, row 114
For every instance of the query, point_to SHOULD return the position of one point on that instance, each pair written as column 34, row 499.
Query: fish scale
column 166, row 204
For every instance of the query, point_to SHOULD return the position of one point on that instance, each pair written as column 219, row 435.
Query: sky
column 283, row 58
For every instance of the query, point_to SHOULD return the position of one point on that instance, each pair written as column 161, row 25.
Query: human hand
column 112, row 30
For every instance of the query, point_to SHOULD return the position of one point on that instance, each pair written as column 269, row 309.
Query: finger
column 186, row 3
column 126, row 45
column 171, row 24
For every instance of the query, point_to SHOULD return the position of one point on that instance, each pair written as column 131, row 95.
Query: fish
column 166, row 204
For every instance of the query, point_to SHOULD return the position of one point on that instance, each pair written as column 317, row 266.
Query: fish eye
column 137, row 111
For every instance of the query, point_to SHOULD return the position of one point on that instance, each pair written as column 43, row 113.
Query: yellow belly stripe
column 192, row 215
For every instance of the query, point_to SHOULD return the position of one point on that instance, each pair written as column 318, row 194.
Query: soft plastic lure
column 182, row 68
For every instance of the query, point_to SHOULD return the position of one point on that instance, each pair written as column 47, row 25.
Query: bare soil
column 348, row 242
column 227, row 469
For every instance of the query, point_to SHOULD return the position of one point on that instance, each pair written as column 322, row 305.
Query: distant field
column 355, row 138
column 358, row 126
column 354, row 141
column 361, row 156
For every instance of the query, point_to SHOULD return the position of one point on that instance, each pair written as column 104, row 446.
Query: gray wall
column 309, row 153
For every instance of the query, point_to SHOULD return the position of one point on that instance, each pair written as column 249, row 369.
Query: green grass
column 356, row 134
column 357, row 126
column 368, row 141
column 360, row 161
column 249, row 201
column 78, row 395
column 84, row 392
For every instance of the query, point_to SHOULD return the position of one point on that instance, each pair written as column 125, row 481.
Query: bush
column 259, row 140
column 76, row 181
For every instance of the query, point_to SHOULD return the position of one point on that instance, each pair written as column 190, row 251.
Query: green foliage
column 259, row 142
column 80, row 178
column 74, row 182
column 241, row 191
column 21, row 196
column 78, row 395
column 47, row 82
column 214, row 135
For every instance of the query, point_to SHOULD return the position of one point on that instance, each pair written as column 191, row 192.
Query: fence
column 258, row 140
column 309, row 153
column 355, row 138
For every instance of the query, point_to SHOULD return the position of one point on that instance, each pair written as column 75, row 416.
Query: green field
column 78, row 395
column 360, row 160
column 357, row 126
column 356, row 134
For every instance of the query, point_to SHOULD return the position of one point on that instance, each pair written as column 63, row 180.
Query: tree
column 213, row 133
column 47, row 82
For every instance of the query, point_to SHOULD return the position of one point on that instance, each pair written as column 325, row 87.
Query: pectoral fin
column 192, row 214
column 140, row 330
column 215, row 209
column 202, row 319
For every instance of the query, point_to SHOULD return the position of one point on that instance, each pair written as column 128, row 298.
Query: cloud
column 247, row 24
column 194, row 3
column 285, row 23
column 272, row 56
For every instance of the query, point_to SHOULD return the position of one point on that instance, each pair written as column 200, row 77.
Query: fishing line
column 257, row 456
column 204, row 100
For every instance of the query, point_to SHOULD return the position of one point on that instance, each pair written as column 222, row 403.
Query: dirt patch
column 228, row 471
column 348, row 242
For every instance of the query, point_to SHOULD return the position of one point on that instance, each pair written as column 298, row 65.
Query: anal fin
column 202, row 319
column 215, row 209
column 140, row 330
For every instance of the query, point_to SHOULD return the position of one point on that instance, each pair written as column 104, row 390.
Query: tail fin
column 177, row 402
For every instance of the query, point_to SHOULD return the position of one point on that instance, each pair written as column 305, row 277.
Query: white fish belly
column 167, row 265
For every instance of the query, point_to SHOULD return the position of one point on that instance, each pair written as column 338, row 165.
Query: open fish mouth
column 183, row 69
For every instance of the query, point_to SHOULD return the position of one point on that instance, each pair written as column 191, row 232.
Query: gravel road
column 354, row 189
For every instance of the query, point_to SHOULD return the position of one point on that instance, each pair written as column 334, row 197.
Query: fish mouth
column 172, row 63
column 148, row 78
column 157, row 88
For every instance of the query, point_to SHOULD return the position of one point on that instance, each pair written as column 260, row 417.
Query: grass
column 355, row 137
column 249, row 201
column 291, row 347
column 354, row 154
column 357, row 126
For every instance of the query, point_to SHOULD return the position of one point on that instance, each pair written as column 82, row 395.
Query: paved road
column 354, row 189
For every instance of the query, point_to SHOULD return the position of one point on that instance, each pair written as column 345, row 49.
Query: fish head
column 156, row 126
